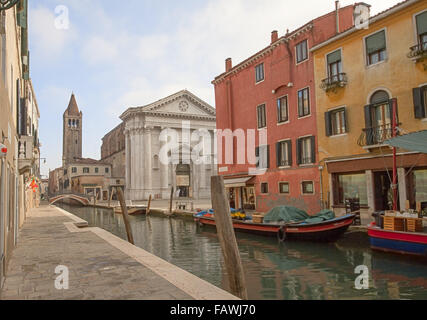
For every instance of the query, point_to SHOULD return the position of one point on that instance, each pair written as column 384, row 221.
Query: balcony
column 334, row 82
column 418, row 52
column 375, row 136
column 28, row 153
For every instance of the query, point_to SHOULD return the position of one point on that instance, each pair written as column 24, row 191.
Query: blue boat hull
column 399, row 246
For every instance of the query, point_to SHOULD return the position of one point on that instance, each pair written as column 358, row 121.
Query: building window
column 334, row 66
column 306, row 150
column 96, row 170
column 73, row 170
column 420, row 184
column 263, row 156
column 86, row 170
column 264, row 188
column 350, row 186
column 376, row 50
column 336, row 122
column 65, row 172
column 420, row 102
column 282, row 109
column 302, row 51
column 284, row 187
column 307, row 187
column 259, row 72
column 261, row 116
column 421, row 20
column 284, row 153
column 304, row 102
column 107, row 170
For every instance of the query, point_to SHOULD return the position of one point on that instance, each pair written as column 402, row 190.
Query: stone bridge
column 83, row 199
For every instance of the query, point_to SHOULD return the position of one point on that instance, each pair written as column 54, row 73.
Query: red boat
column 329, row 230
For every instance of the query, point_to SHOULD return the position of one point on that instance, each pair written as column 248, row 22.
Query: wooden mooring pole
column 170, row 202
column 149, row 205
column 227, row 238
column 125, row 215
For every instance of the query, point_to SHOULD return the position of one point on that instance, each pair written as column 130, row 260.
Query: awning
column 416, row 141
column 237, row 182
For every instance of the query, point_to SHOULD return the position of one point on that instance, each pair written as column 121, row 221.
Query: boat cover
column 288, row 214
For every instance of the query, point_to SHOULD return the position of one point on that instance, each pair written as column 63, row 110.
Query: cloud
column 48, row 42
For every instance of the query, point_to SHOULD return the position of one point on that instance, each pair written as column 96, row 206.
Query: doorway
column 383, row 192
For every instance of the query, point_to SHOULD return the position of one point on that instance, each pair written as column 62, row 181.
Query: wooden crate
column 394, row 224
column 414, row 225
column 256, row 218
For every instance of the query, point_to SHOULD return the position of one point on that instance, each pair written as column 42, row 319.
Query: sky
column 118, row 54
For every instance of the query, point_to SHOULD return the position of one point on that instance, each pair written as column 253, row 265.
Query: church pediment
column 181, row 104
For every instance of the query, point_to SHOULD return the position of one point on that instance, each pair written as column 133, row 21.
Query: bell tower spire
column 72, row 132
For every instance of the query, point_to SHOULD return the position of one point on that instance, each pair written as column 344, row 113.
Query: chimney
column 274, row 36
column 337, row 16
column 228, row 64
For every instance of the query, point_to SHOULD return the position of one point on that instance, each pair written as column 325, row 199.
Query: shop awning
column 416, row 141
column 237, row 182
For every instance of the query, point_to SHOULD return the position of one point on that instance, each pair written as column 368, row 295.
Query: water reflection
column 293, row 270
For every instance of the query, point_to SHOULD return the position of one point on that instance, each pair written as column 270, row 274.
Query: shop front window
column 351, row 186
column 420, row 185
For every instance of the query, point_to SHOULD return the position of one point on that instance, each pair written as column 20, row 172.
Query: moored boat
column 132, row 210
column 329, row 230
column 412, row 243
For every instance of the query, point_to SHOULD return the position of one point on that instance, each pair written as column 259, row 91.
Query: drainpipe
column 321, row 186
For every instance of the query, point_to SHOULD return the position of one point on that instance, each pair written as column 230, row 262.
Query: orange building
column 358, row 73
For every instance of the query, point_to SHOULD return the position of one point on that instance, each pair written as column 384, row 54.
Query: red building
column 273, row 91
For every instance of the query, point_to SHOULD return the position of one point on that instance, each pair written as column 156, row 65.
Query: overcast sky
column 118, row 54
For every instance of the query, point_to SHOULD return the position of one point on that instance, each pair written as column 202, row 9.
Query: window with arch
column 378, row 117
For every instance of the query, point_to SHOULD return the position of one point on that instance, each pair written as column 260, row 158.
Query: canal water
column 273, row 270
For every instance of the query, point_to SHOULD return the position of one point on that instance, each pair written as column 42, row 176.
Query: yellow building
column 360, row 72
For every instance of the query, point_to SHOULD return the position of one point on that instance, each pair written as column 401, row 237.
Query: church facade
column 170, row 144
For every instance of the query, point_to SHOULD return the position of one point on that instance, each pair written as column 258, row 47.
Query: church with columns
column 169, row 143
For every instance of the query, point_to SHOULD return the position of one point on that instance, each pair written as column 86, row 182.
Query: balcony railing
column 418, row 51
column 375, row 135
column 333, row 82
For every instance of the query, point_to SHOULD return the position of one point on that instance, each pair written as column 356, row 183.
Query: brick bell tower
column 72, row 132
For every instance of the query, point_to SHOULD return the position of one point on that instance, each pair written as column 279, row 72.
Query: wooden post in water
column 149, row 205
column 170, row 202
column 227, row 238
column 125, row 215
column 111, row 197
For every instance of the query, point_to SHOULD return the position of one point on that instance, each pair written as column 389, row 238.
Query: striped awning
column 237, row 182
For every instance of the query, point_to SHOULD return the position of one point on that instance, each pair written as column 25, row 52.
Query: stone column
column 140, row 164
column 164, row 174
column 202, row 185
column 402, row 188
column 128, row 164
column 148, row 166
column 134, row 167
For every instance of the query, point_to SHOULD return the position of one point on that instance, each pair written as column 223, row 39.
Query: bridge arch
column 84, row 201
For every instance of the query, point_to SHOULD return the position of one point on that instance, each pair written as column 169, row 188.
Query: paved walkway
column 101, row 265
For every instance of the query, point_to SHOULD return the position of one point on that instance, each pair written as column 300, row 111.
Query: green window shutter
column 268, row 156
column 328, row 124
column 290, row 152
column 346, row 120
column 422, row 23
column 375, row 42
column 22, row 13
column 368, row 124
column 278, row 151
column 299, row 151
column 334, row 57
column 313, row 149
column 419, row 109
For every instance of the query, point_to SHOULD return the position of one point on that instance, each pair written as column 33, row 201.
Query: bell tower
column 72, row 132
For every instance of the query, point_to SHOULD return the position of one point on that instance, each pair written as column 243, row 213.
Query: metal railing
column 418, row 51
column 375, row 135
column 338, row 80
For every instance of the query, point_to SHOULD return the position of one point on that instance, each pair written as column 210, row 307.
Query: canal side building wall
column 355, row 166
column 239, row 95
column 18, row 130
